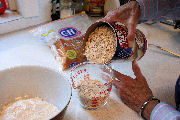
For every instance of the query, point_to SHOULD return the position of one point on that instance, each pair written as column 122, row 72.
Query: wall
column 110, row 4
column 44, row 15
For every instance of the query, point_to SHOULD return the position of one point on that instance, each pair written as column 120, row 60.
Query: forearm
column 162, row 111
column 157, row 10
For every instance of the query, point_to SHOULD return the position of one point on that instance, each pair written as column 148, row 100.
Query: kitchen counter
column 160, row 68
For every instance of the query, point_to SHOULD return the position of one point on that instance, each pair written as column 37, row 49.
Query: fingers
column 121, row 76
column 113, row 15
column 109, row 18
column 105, row 77
column 131, row 23
column 136, row 70
column 116, row 83
column 118, row 75
column 103, row 19
column 131, row 33
column 104, row 69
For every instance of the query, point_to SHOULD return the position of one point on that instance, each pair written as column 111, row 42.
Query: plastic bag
column 66, row 38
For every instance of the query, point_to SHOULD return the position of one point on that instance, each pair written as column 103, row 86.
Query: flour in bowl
column 29, row 109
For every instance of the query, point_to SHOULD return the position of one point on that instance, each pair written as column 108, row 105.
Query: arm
column 134, row 92
column 157, row 10
column 133, row 12
column 160, row 111
column 128, row 15
column 163, row 111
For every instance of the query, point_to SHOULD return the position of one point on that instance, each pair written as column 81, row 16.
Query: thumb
column 102, row 19
column 136, row 69
column 131, row 34
column 106, row 19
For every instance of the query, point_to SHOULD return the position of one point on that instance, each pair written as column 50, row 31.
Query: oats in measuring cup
column 92, row 93
column 101, row 45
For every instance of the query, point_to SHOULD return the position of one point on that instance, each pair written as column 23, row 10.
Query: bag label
column 71, row 54
column 69, row 32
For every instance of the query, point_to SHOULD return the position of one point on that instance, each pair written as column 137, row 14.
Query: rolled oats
column 92, row 93
column 101, row 45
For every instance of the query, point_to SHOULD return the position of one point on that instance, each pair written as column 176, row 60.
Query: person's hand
column 133, row 92
column 128, row 15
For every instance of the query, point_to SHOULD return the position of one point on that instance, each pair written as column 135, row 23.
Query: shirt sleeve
column 157, row 10
column 163, row 111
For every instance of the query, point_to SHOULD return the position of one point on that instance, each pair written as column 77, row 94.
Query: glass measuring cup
column 92, row 83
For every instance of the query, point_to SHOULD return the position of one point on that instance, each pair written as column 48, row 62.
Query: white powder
column 29, row 109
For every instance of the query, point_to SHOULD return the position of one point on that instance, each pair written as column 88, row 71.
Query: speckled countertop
column 160, row 69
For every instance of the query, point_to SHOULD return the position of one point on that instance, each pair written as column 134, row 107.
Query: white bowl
column 35, row 81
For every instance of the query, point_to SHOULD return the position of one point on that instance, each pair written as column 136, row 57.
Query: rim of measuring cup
column 87, row 62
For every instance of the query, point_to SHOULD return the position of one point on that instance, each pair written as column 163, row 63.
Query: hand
column 128, row 15
column 133, row 92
